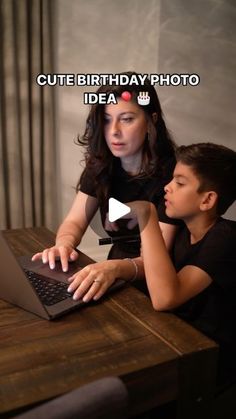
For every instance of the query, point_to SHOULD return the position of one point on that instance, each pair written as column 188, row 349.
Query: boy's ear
column 208, row 201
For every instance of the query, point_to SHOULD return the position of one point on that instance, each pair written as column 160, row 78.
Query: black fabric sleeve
column 217, row 258
column 87, row 184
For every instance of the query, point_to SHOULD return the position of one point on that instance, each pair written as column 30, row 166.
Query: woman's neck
column 132, row 164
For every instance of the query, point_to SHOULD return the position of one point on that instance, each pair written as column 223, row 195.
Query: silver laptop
column 34, row 287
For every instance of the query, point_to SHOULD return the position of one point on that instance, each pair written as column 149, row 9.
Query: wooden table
column 158, row 356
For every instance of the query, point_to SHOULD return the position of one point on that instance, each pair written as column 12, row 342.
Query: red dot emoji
column 126, row 96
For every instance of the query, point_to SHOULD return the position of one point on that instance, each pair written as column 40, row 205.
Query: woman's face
column 125, row 128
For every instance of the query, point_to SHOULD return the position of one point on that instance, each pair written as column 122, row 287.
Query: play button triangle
column 116, row 209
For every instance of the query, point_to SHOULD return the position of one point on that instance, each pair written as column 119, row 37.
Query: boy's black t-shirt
column 213, row 311
column 125, row 188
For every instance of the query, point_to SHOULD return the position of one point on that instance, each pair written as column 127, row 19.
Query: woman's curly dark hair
column 158, row 147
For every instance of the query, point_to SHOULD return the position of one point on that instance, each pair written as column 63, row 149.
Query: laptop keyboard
column 49, row 291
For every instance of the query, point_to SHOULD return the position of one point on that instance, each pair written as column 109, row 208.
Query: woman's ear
column 209, row 200
column 154, row 117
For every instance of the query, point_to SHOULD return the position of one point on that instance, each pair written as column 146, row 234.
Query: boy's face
column 182, row 198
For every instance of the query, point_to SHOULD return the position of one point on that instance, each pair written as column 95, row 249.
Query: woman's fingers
column 64, row 256
column 63, row 252
column 102, row 289
column 51, row 258
column 76, row 281
column 81, row 289
column 98, row 286
column 74, row 255
column 90, row 283
column 37, row 256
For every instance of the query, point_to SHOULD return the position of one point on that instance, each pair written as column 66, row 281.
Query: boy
column 199, row 282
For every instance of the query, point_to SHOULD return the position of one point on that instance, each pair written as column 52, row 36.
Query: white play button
column 116, row 209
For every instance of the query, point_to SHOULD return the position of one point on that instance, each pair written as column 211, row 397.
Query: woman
column 129, row 156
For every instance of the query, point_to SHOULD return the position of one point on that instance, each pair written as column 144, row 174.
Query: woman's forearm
column 69, row 234
column 129, row 269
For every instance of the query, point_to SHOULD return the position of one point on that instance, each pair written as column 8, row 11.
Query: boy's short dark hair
column 215, row 167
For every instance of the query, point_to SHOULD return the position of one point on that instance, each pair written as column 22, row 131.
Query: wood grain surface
column 156, row 354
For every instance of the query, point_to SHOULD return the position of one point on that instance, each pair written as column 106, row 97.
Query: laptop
column 34, row 287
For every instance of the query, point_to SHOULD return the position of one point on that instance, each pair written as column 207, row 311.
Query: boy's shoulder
column 219, row 241
column 223, row 228
column 221, row 225
column 214, row 253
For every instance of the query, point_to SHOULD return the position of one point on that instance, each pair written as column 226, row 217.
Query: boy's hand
column 93, row 280
column 64, row 253
column 113, row 226
column 110, row 226
column 140, row 212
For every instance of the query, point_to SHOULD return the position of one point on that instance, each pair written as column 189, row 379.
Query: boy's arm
column 167, row 288
column 168, row 232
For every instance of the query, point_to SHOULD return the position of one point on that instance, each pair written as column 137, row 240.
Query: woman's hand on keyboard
column 92, row 281
column 64, row 253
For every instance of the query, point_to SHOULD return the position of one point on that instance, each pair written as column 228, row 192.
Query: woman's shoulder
column 86, row 182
